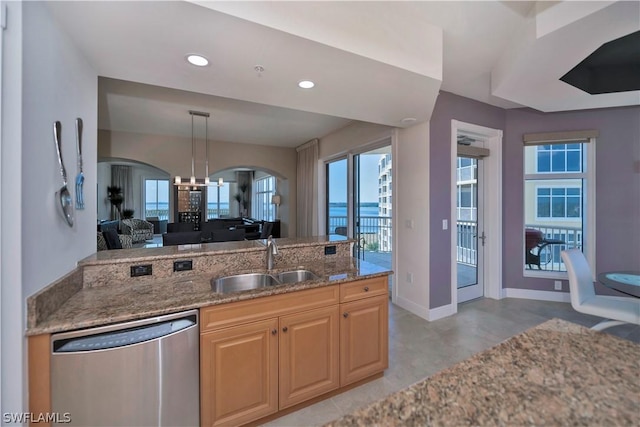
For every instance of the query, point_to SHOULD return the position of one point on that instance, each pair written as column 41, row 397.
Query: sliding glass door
column 372, row 205
column 336, row 207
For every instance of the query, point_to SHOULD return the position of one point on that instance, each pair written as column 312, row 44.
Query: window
column 218, row 201
column 156, row 193
column 559, row 194
column 265, row 188
column 559, row 202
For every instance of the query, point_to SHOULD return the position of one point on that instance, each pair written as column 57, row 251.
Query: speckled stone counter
column 101, row 292
column 557, row 373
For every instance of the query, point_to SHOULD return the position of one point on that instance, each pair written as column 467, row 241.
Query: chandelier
column 193, row 180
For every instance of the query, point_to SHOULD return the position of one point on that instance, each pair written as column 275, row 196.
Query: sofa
column 139, row 229
column 181, row 238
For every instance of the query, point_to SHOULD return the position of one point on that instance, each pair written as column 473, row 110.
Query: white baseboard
column 414, row 308
column 537, row 295
column 441, row 312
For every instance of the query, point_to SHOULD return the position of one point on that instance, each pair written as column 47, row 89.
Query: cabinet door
column 309, row 355
column 239, row 373
column 363, row 338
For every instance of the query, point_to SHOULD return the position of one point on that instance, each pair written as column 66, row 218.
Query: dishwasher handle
column 122, row 337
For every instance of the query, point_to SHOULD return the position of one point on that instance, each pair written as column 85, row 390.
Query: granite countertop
column 557, row 373
column 90, row 307
column 167, row 252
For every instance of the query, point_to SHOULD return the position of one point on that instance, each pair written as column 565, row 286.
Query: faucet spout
column 272, row 249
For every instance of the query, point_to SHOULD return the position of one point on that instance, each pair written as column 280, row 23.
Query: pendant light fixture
column 193, row 181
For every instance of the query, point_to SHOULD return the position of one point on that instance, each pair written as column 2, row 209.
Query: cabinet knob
column 285, row 329
column 274, row 331
column 345, row 314
column 366, row 289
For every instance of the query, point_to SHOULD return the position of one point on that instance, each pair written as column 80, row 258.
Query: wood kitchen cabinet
column 239, row 373
column 251, row 367
column 265, row 355
column 309, row 355
column 364, row 343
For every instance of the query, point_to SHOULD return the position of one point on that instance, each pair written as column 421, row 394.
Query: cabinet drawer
column 364, row 288
column 236, row 313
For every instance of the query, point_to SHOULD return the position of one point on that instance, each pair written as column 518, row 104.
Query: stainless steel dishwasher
column 139, row 373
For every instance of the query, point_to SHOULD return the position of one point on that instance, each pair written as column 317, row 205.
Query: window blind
column 546, row 138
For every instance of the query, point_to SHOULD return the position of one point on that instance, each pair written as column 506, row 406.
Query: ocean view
column 335, row 209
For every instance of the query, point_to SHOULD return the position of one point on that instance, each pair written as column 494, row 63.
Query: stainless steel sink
column 242, row 282
column 247, row 281
column 295, row 276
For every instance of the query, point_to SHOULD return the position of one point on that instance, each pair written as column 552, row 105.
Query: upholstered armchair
column 139, row 229
column 125, row 242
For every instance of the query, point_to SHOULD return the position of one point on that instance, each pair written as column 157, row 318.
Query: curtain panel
column 122, row 176
column 307, row 189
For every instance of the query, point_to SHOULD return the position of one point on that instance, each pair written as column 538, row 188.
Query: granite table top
column 555, row 374
column 89, row 307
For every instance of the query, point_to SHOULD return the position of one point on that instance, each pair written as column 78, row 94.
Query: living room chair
column 139, row 229
column 125, row 242
column 615, row 310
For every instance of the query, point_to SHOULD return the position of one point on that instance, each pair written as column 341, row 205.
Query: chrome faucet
column 272, row 249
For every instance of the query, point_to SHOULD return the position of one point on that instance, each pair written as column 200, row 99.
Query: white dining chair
column 615, row 310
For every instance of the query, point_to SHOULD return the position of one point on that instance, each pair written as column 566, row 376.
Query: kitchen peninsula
column 334, row 318
column 557, row 373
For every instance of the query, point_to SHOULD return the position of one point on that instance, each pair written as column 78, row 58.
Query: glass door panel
column 470, row 229
column 336, row 208
column 372, row 207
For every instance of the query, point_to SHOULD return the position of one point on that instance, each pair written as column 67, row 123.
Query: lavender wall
column 448, row 107
column 617, row 187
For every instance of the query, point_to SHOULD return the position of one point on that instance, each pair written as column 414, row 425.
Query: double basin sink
column 245, row 282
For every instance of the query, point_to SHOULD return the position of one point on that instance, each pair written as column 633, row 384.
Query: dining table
column 627, row 282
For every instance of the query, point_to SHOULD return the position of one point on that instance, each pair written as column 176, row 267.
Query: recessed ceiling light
column 306, row 84
column 197, row 60
column 408, row 120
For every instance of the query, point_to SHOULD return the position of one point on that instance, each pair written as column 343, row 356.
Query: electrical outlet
column 557, row 285
column 141, row 270
column 409, row 223
column 409, row 277
column 185, row 265
column 445, row 224
column 330, row 250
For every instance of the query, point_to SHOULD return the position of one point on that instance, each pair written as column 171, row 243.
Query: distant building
column 384, row 203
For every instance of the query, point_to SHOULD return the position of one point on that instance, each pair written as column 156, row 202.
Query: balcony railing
column 550, row 259
column 160, row 213
column 467, row 243
column 375, row 231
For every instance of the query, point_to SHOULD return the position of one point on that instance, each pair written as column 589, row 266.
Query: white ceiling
column 378, row 62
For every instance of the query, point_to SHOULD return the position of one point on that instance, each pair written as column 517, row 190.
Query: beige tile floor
column 418, row 349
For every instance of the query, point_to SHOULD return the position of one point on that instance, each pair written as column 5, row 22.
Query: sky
column 368, row 179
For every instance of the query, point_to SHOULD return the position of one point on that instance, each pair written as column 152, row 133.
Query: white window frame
column 144, row 196
column 553, row 218
column 262, row 209
column 217, row 189
column 551, row 159
column 589, row 206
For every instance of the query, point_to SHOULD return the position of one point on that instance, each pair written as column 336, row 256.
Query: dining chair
column 615, row 310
